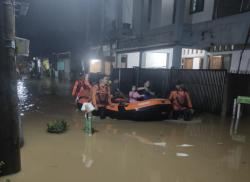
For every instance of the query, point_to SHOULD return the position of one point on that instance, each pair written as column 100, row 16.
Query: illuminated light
column 94, row 61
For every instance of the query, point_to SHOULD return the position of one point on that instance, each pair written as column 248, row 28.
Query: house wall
column 133, row 59
column 162, row 13
column 203, row 16
column 127, row 11
column 245, row 62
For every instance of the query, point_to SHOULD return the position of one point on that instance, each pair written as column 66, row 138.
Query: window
column 196, row 6
column 231, row 7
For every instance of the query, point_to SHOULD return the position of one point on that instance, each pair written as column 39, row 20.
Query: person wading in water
column 181, row 103
column 83, row 90
column 101, row 97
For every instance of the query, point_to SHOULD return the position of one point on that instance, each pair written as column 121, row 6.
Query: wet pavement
column 198, row 151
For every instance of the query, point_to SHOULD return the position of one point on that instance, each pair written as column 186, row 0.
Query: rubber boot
column 85, row 128
column 88, row 125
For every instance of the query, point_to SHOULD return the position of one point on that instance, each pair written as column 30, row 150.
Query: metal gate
column 206, row 87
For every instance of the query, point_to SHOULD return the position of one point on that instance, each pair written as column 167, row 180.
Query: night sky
column 53, row 26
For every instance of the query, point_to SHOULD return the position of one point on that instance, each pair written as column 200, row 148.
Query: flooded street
column 121, row 151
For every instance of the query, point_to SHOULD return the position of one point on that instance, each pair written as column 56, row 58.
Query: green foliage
column 59, row 126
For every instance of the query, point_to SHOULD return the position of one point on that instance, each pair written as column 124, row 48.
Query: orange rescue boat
column 152, row 109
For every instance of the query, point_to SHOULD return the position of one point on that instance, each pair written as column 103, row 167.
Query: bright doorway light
column 95, row 61
column 95, row 65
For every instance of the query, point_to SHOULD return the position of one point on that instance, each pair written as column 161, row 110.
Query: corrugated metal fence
column 206, row 87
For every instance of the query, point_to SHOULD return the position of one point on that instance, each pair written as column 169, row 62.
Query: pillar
column 177, row 55
column 9, row 122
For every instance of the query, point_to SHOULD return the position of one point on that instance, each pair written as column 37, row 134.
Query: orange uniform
column 101, row 95
column 83, row 91
column 180, row 100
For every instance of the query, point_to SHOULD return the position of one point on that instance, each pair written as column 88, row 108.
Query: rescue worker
column 101, row 96
column 181, row 103
column 82, row 90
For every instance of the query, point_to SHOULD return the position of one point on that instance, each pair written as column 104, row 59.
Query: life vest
column 102, row 95
column 82, row 91
column 180, row 100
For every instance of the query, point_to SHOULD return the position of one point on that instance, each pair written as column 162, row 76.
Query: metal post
column 237, row 119
column 9, row 123
column 119, row 77
column 139, row 69
column 233, row 116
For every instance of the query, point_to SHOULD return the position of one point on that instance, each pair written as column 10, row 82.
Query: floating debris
column 182, row 155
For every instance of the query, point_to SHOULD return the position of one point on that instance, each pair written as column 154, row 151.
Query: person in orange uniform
column 101, row 96
column 181, row 103
column 82, row 90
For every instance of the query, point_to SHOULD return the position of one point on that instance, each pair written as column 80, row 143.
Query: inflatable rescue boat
column 152, row 109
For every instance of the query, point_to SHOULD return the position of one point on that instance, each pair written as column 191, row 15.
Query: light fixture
column 94, row 61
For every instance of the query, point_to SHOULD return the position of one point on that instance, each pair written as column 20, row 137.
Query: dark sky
column 53, row 25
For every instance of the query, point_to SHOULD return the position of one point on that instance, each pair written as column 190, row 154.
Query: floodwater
column 125, row 151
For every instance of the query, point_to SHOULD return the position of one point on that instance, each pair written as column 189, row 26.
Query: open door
column 215, row 62
column 187, row 63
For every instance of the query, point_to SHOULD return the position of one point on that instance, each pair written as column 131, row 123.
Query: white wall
column 127, row 11
column 133, row 59
column 162, row 13
column 205, row 15
column 196, row 63
column 158, row 59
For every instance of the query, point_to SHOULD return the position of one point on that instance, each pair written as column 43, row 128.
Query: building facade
column 191, row 34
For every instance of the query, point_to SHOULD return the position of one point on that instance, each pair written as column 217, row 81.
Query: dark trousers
column 185, row 113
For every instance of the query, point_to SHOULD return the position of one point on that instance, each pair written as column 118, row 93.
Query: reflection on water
column 179, row 154
column 233, row 158
column 87, row 158
column 24, row 97
column 146, row 140
column 185, row 145
column 22, row 92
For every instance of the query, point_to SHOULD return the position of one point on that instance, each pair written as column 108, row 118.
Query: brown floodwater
column 125, row 151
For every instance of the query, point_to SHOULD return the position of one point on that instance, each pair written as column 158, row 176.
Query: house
column 191, row 34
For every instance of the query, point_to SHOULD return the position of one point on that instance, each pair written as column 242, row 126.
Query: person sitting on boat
column 134, row 96
column 181, row 103
column 101, row 96
column 82, row 90
column 116, row 95
column 145, row 90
